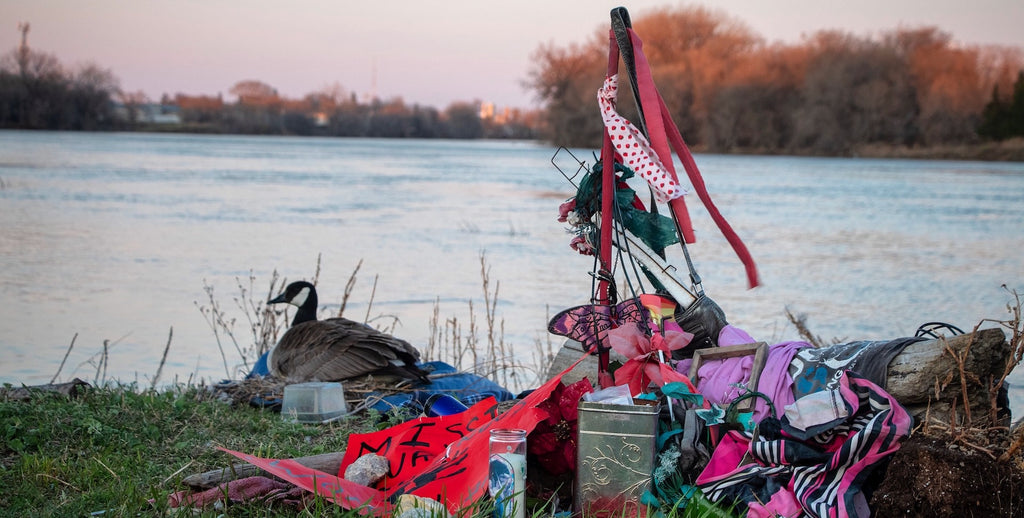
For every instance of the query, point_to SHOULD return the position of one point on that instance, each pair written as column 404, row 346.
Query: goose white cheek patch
column 300, row 299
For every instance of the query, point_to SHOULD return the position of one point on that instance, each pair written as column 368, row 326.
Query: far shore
column 1009, row 150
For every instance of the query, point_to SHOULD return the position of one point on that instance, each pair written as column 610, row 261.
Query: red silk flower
column 644, row 366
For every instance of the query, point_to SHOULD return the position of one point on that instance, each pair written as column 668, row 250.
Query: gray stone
column 367, row 470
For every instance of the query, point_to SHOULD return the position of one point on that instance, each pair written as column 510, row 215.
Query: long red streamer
column 662, row 130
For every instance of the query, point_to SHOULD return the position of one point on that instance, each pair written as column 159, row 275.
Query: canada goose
column 336, row 348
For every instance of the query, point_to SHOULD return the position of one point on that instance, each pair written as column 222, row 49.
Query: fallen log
column 928, row 379
column 326, row 462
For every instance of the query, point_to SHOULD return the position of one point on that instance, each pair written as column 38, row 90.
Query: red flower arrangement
column 553, row 441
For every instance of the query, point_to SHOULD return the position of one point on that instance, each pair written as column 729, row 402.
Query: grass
column 122, row 450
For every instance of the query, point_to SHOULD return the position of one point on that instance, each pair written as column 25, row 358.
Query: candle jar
column 506, row 481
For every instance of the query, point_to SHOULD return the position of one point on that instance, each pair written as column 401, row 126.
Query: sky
column 431, row 53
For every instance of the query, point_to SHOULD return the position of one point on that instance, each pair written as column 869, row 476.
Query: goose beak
column 278, row 299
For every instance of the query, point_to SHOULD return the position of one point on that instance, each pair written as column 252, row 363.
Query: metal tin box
column 616, row 451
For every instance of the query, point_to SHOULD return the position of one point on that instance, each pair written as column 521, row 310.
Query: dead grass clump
column 987, row 433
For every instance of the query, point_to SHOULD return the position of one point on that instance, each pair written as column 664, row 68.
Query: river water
column 113, row 236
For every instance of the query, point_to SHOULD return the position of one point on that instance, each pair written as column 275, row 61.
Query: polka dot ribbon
column 633, row 147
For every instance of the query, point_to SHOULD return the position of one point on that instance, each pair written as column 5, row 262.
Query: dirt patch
column 932, row 477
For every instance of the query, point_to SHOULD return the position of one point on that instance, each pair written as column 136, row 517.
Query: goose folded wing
column 372, row 338
column 337, row 349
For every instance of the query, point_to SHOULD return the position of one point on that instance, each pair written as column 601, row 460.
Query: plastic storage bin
column 314, row 402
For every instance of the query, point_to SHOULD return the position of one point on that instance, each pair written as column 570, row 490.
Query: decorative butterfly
column 589, row 324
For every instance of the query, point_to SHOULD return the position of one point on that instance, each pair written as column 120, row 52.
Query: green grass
column 116, row 449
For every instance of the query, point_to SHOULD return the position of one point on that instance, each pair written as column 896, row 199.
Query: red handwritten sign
column 459, row 477
column 412, row 445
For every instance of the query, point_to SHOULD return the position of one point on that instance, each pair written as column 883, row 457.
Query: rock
column 367, row 470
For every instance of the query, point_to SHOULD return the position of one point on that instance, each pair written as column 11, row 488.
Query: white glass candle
column 506, row 480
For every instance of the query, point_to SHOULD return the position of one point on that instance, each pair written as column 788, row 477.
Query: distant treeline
column 37, row 92
column 729, row 91
column 259, row 110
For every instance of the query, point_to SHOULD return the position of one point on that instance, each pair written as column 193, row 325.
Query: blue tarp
column 467, row 388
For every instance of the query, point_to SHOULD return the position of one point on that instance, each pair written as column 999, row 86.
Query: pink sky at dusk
column 428, row 53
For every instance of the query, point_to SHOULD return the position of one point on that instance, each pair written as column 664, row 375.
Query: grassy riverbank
column 123, row 451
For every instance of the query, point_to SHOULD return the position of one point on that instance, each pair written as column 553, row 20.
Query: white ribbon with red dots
column 633, row 146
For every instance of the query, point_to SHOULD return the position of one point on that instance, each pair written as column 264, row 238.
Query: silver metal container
column 616, row 452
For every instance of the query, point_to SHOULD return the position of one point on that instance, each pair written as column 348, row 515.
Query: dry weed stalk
column 163, row 359
column 989, row 435
column 1016, row 327
column 98, row 360
column 373, row 294
column 492, row 359
column 544, row 350
column 348, row 288
column 102, row 364
column 218, row 323
column 66, row 353
column 261, row 319
column 961, row 361
column 800, row 323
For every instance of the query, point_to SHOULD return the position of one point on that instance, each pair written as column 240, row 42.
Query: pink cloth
column 715, row 377
column 783, row 504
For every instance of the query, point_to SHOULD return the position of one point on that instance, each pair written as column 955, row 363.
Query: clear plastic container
column 314, row 402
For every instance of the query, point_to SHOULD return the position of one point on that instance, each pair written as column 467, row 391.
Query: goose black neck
column 307, row 311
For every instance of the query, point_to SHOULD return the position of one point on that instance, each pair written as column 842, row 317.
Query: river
column 116, row 236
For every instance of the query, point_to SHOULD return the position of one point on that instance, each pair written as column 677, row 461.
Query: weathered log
column 326, row 462
column 924, row 377
column 70, row 389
